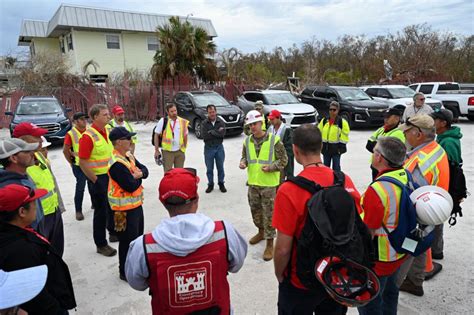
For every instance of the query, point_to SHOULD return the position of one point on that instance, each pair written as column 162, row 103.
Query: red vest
column 198, row 281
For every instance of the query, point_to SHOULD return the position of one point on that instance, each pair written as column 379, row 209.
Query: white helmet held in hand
column 253, row 116
column 433, row 204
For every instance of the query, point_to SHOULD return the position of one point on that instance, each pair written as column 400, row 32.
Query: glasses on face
column 333, row 109
column 421, row 99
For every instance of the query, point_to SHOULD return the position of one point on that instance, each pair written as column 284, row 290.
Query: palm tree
column 184, row 49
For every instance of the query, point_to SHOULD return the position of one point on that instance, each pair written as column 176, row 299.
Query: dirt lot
column 254, row 289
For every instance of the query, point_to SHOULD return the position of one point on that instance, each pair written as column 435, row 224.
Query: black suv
column 45, row 112
column 192, row 106
column 358, row 108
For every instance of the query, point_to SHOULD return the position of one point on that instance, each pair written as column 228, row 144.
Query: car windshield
column 281, row 98
column 38, row 108
column 202, row 100
column 402, row 92
column 353, row 95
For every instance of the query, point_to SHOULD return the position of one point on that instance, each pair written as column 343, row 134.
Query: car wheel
column 347, row 117
column 470, row 117
column 197, row 128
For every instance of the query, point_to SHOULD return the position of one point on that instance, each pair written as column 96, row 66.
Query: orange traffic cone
column 429, row 261
column 431, row 268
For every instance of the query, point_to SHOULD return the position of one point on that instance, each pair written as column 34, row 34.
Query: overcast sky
column 254, row 25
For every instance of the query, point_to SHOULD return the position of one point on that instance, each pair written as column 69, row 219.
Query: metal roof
column 81, row 17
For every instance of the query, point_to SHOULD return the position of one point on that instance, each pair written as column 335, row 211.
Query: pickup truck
column 460, row 102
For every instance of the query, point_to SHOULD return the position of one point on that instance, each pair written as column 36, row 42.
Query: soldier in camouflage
column 264, row 156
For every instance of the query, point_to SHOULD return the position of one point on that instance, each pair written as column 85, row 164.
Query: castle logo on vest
column 191, row 284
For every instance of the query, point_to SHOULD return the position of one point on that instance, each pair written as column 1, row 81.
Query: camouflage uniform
column 261, row 198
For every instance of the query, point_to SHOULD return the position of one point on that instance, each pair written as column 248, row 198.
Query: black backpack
column 333, row 227
column 457, row 190
column 160, row 136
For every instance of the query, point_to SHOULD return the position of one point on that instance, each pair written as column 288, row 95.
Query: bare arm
column 87, row 171
column 282, row 254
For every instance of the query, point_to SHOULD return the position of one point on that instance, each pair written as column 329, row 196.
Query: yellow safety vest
column 331, row 133
column 43, row 178
column 75, row 135
column 389, row 195
column 266, row 156
column 101, row 153
column 395, row 132
column 167, row 139
column 127, row 126
column 120, row 199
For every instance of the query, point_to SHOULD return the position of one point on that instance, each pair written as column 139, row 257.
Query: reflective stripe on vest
column 120, row 199
column 333, row 135
column 427, row 163
column 75, row 135
column 43, row 178
column 257, row 177
column 167, row 139
column 389, row 195
column 127, row 126
column 101, row 153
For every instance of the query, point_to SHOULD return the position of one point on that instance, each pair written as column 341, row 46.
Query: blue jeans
column 336, row 161
column 387, row 301
column 216, row 153
column 80, row 187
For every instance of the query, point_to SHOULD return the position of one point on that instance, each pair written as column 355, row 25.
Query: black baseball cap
column 79, row 115
column 443, row 114
column 120, row 133
column 392, row 111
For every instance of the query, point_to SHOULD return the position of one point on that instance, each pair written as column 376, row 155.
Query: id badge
column 409, row 245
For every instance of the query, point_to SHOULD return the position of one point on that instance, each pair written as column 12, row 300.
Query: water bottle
column 159, row 160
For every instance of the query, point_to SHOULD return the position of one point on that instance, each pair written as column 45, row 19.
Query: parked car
column 358, row 108
column 397, row 96
column 192, row 106
column 293, row 112
column 460, row 102
column 45, row 112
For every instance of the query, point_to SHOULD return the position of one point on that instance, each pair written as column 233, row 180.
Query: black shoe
column 79, row 216
column 113, row 238
column 437, row 256
column 222, row 188
column 107, row 251
column 122, row 277
column 436, row 269
column 409, row 287
column 209, row 188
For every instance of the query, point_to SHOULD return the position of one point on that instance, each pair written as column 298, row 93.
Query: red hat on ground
column 13, row 196
column 274, row 114
column 28, row 129
column 179, row 182
column 117, row 110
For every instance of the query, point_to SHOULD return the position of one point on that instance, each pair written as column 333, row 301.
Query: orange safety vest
column 429, row 165
column 120, row 199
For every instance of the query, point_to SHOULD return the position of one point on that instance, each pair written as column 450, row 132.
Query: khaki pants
column 413, row 268
column 173, row 159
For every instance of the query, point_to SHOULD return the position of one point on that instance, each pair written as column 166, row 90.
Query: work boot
column 257, row 238
column 113, row 238
column 268, row 252
column 209, row 188
column 222, row 188
column 106, row 251
column 436, row 268
column 409, row 287
column 79, row 216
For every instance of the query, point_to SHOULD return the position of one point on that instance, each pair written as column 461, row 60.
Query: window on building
column 69, row 41
column 61, row 45
column 113, row 41
column 153, row 43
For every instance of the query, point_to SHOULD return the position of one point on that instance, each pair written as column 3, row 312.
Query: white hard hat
column 433, row 204
column 253, row 116
column 45, row 143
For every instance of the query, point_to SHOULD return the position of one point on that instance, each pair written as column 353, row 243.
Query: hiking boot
column 79, row 216
column 436, row 269
column 437, row 256
column 122, row 277
column 222, row 188
column 268, row 252
column 106, row 251
column 409, row 287
column 209, row 188
column 257, row 238
column 113, row 238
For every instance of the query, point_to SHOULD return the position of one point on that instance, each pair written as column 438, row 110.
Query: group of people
column 185, row 260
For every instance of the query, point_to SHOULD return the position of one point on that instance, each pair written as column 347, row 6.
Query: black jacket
column 20, row 249
column 121, row 174
column 211, row 134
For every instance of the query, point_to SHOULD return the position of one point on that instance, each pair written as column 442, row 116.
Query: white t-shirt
column 176, row 131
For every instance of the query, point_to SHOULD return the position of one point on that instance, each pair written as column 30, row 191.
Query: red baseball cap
column 13, row 196
column 179, row 182
column 28, row 129
column 117, row 110
column 274, row 114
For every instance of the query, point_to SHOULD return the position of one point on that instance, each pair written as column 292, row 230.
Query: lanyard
column 172, row 127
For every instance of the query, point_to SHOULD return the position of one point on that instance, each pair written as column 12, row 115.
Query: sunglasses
column 421, row 99
column 389, row 161
column 333, row 109
column 409, row 123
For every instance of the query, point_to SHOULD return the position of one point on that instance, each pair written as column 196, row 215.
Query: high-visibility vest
column 429, row 165
column 197, row 281
column 120, row 199
column 43, row 178
column 395, row 132
column 101, row 153
column 75, row 135
column 266, row 156
column 167, row 139
column 333, row 133
column 127, row 126
column 389, row 195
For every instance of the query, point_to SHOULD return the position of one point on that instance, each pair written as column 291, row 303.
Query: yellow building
column 116, row 40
